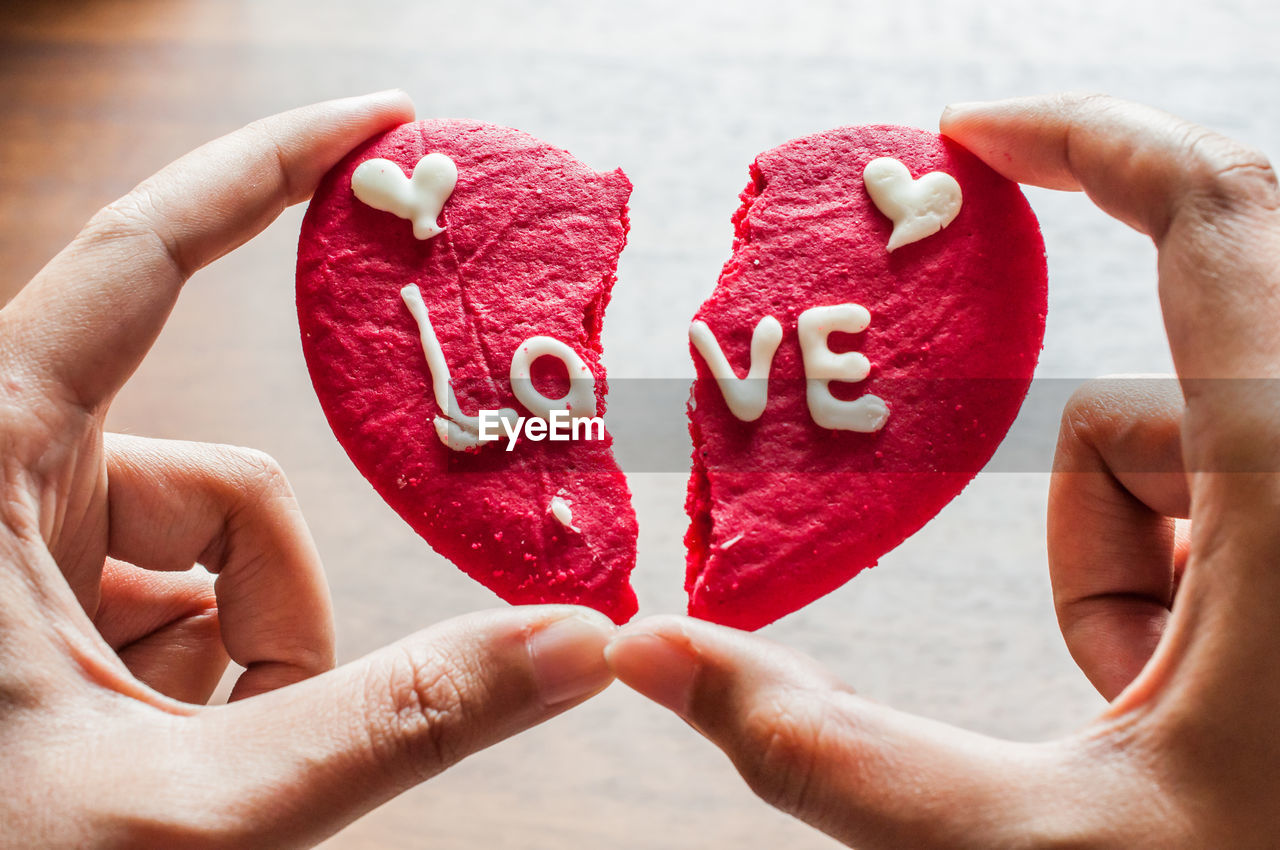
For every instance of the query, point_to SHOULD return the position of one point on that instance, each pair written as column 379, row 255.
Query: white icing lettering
column 454, row 428
column 580, row 400
column 822, row 365
column 746, row 397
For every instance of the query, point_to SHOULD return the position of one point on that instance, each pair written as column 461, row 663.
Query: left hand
column 107, row 637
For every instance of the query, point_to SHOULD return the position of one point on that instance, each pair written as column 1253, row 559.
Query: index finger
column 86, row 320
column 1210, row 205
column 1208, row 202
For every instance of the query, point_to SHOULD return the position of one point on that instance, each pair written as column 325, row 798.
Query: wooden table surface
column 956, row 624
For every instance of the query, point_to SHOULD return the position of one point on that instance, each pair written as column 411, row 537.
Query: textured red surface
column 530, row 247
column 956, row 328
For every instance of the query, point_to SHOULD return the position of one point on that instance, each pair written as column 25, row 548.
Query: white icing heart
column 382, row 185
column 917, row 208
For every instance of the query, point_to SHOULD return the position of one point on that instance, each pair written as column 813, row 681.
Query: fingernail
column 391, row 96
column 655, row 667
column 568, row 657
column 956, row 111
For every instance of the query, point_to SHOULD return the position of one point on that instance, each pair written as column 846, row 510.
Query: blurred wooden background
column 956, row 624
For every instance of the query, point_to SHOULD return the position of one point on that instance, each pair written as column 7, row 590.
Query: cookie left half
column 451, row 286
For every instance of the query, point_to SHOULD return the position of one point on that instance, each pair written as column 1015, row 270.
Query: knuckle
column 1226, row 174
column 1081, row 419
column 1124, row 413
column 1219, row 174
column 200, row 610
column 423, row 711
column 1084, row 399
column 261, row 475
column 130, row 218
column 251, row 489
column 779, row 750
column 127, row 216
column 275, row 153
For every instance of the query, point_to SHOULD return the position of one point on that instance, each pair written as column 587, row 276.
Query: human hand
column 1188, row 751
column 105, row 640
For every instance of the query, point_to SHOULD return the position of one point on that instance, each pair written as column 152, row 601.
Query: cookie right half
column 866, row 349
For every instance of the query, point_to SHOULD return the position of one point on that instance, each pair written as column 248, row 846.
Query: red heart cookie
column 902, row 283
column 449, row 267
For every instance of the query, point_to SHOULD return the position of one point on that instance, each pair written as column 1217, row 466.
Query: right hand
column 1188, row 752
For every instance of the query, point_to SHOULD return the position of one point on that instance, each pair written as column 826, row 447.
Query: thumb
column 309, row 758
column 861, row 772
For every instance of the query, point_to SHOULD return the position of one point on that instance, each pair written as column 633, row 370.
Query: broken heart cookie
column 451, row 283
column 866, row 349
